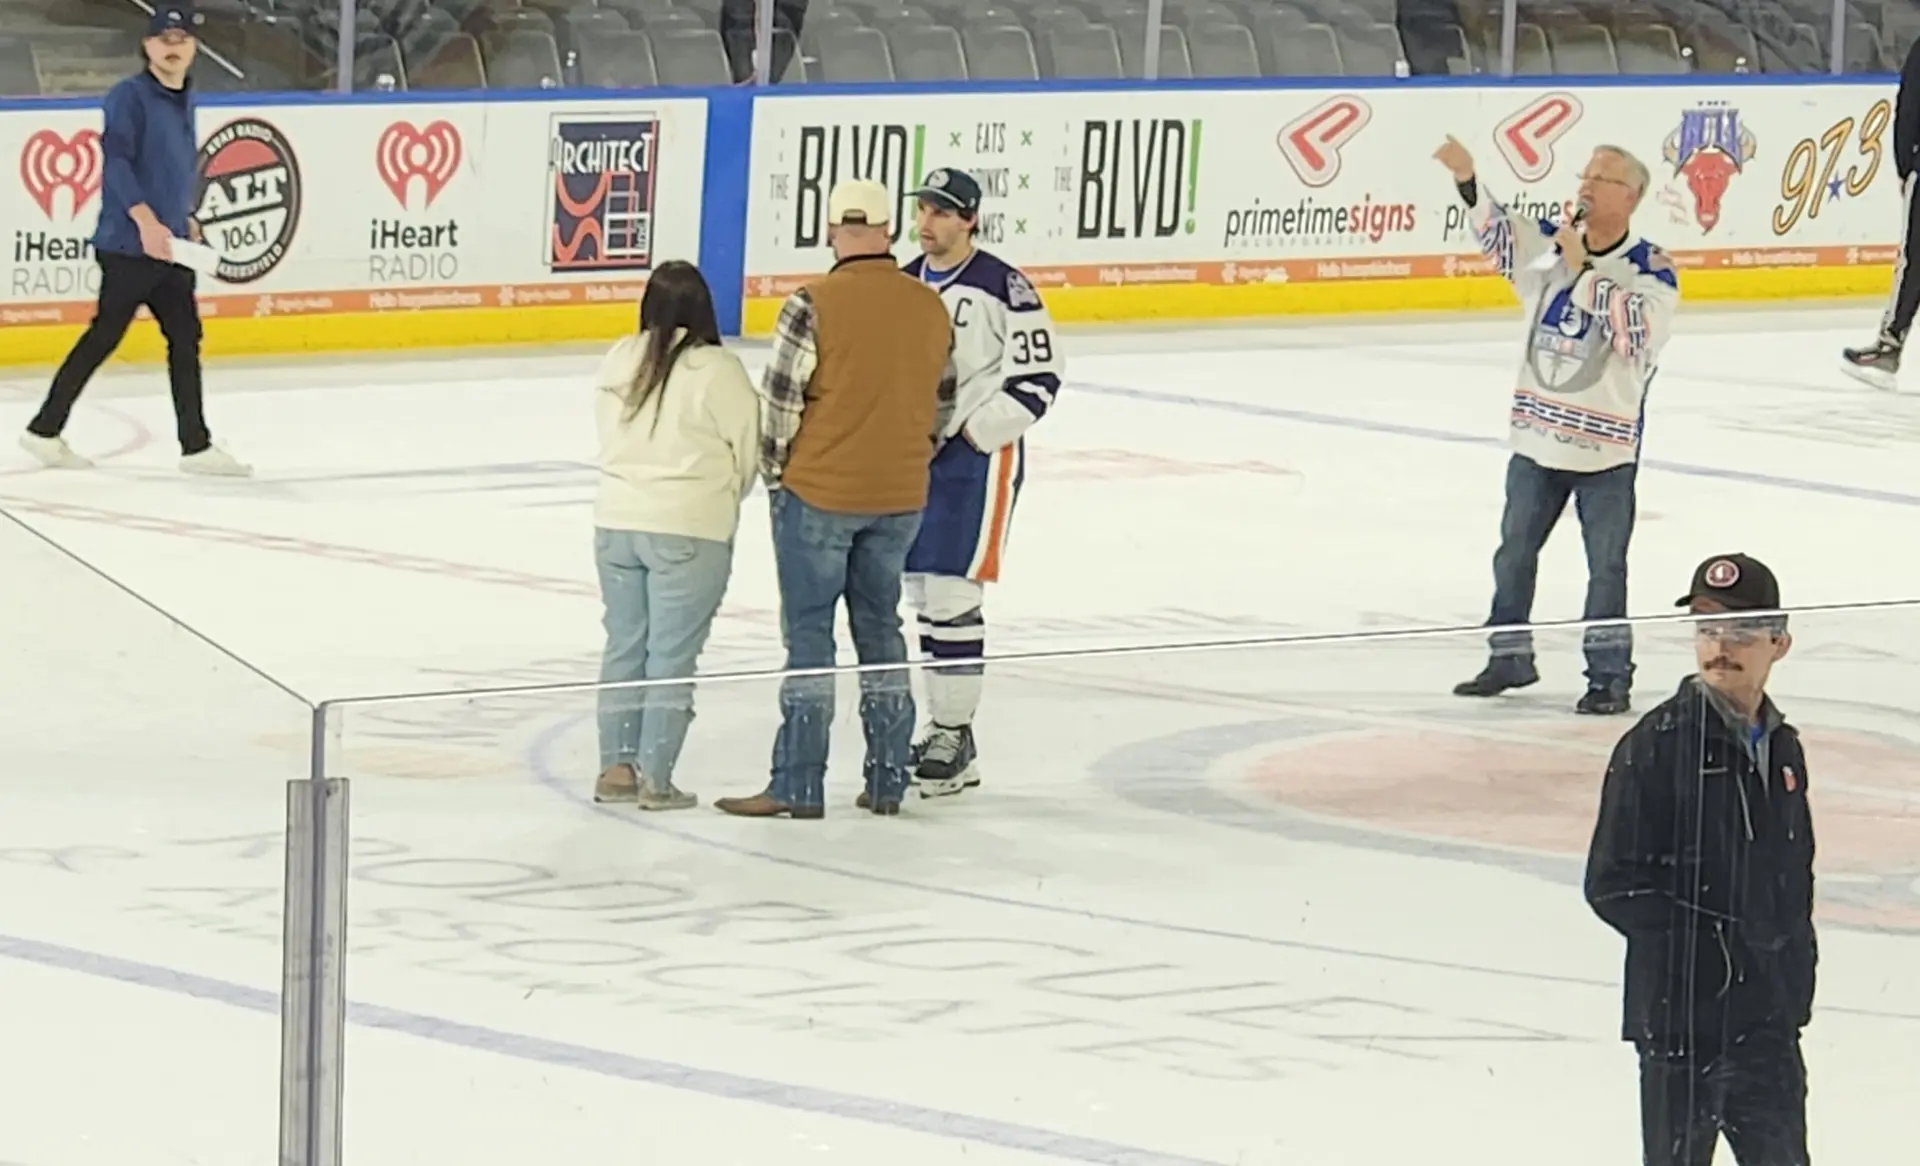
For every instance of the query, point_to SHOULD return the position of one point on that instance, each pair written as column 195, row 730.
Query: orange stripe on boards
column 997, row 527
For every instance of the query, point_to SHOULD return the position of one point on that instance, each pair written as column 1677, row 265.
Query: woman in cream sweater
column 679, row 428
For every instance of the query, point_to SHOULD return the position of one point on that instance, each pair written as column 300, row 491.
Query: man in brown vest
column 858, row 390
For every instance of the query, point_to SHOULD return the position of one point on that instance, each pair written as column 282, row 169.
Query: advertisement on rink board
column 1317, row 199
column 320, row 210
column 1135, row 204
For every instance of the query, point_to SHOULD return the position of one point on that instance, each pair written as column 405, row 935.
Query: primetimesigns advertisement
column 319, row 209
column 1241, row 186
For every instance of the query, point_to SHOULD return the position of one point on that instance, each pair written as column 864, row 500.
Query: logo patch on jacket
column 1793, row 783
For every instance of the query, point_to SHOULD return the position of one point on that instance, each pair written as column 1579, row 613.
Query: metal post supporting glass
column 313, row 1000
column 343, row 59
column 1838, row 43
column 1150, row 52
column 1509, row 24
column 763, row 42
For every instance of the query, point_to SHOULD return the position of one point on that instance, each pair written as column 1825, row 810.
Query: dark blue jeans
column 1536, row 497
column 821, row 557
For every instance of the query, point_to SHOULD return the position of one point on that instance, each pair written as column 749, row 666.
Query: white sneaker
column 214, row 462
column 53, row 452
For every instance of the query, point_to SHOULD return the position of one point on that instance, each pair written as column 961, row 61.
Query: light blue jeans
column 660, row 592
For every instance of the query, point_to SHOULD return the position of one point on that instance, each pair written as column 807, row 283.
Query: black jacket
column 1705, row 864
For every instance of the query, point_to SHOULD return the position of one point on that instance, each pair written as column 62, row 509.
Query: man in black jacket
column 147, row 189
column 1878, row 364
column 1703, row 860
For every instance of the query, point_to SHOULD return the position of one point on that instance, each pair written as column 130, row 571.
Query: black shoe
column 1877, row 365
column 1604, row 701
column 1497, row 678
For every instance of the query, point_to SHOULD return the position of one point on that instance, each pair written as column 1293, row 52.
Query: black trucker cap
column 1736, row 582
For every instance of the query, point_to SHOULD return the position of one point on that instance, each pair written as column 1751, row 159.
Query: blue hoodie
column 151, row 158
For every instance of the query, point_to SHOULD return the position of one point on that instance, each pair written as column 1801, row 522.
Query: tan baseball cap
column 859, row 202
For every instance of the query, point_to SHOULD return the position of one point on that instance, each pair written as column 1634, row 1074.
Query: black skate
column 1877, row 365
column 943, row 762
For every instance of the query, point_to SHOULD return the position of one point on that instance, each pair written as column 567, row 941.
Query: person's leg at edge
column 686, row 580
column 1536, row 497
column 953, row 640
column 1606, row 503
column 623, row 598
column 1762, row 1079
column 873, row 614
column 172, row 304
column 810, row 551
column 1677, row 1122
column 125, row 281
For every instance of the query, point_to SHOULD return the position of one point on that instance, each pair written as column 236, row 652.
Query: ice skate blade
column 932, row 788
column 1873, row 378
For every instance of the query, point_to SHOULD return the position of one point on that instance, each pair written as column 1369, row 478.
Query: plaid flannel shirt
column 783, row 390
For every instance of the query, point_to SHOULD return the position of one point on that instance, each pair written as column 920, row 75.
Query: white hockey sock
column 953, row 635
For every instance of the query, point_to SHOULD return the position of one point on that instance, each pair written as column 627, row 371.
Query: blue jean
column 821, row 557
column 660, row 593
column 1605, row 503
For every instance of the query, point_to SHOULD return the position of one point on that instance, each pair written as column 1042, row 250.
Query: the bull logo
column 1708, row 149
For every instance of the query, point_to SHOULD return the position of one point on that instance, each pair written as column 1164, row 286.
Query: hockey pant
column 953, row 636
column 1906, row 269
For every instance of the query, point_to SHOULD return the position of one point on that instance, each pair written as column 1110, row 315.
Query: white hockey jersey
column 1593, row 339
column 1004, row 349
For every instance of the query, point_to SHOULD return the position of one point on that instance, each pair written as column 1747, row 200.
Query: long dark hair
column 676, row 299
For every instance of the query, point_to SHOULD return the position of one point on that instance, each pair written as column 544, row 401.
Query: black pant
column 1906, row 269
column 1754, row 1090
column 126, row 282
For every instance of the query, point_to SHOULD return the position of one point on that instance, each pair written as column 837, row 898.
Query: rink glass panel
column 1213, row 904
column 142, row 802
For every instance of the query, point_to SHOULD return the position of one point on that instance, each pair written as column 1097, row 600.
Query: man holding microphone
column 146, row 202
column 1598, row 301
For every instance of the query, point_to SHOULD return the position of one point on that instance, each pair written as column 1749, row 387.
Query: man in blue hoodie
column 146, row 202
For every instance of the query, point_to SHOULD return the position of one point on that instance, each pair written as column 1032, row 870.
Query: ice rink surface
column 1268, row 905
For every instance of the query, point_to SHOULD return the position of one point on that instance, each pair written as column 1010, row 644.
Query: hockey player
column 1878, row 364
column 1009, row 369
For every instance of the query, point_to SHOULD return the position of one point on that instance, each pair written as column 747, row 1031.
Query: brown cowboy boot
column 765, row 805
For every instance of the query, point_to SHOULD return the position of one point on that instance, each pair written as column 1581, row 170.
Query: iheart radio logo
column 50, row 164
column 1311, row 143
column 405, row 153
column 1526, row 139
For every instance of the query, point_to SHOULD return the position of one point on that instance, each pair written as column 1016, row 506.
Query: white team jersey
column 1004, row 349
column 1593, row 340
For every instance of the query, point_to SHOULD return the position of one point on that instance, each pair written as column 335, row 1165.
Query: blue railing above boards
column 549, row 45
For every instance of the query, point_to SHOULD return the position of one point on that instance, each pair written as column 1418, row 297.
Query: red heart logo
column 405, row 153
column 50, row 163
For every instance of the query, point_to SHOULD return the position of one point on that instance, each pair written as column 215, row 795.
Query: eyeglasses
column 1738, row 631
column 1606, row 179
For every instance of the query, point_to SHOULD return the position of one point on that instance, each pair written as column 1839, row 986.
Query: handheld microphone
column 1579, row 213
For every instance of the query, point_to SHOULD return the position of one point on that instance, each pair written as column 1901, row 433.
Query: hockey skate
column 1877, row 365
column 945, row 762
